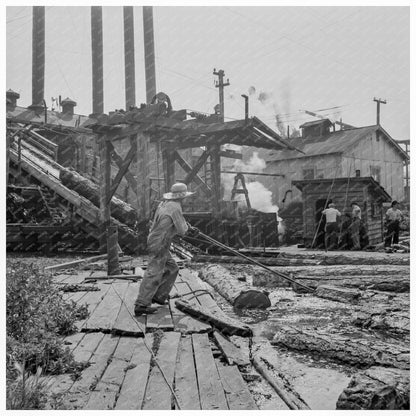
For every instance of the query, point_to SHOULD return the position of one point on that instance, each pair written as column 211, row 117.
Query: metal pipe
column 257, row 263
column 245, row 106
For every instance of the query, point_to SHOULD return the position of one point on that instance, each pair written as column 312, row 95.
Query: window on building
column 375, row 172
column 308, row 173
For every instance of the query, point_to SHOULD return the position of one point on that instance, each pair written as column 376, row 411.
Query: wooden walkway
column 201, row 367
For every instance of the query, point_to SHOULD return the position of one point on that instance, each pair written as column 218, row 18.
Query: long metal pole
column 257, row 263
column 38, row 56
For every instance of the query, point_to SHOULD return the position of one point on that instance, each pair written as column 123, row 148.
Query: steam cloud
column 260, row 197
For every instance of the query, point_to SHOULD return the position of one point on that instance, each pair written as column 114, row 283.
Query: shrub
column 36, row 318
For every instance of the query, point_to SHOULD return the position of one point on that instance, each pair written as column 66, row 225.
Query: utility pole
column 220, row 85
column 378, row 101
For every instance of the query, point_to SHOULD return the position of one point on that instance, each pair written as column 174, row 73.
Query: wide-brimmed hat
column 178, row 191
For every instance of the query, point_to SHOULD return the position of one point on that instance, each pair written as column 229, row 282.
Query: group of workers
column 348, row 233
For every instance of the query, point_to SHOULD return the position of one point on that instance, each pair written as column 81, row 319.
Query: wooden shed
column 368, row 193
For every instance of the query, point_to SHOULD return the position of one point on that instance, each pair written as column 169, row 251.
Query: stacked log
column 120, row 210
column 377, row 388
column 239, row 294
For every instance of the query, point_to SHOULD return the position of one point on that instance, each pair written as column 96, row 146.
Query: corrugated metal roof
column 335, row 142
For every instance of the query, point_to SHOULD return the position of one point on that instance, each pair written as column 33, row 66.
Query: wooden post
column 113, row 266
column 105, row 184
column 143, row 181
column 83, row 154
column 216, row 189
column 168, row 167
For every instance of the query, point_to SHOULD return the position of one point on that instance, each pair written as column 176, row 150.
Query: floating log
column 389, row 323
column 224, row 324
column 355, row 257
column 268, row 261
column 120, row 210
column 377, row 388
column 282, row 388
column 238, row 293
column 362, row 352
column 338, row 294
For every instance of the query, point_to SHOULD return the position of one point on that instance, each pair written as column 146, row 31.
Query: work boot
column 144, row 310
column 160, row 301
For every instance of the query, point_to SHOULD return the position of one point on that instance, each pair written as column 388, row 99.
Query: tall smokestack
column 129, row 67
column 97, row 59
column 149, row 53
column 38, row 57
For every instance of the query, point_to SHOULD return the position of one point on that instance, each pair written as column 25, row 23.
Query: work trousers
column 331, row 235
column 158, row 278
column 355, row 233
column 393, row 228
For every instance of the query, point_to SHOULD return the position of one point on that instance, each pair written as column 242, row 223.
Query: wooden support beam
column 105, row 182
column 143, row 182
column 195, row 177
column 123, row 168
column 200, row 162
column 119, row 161
column 216, row 178
column 168, row 167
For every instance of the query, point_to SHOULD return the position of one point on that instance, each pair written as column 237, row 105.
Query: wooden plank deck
column 122, row 374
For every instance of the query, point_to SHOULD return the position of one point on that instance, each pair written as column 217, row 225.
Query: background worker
column 162, row 269
column 355, row 226
column 393, row 218
column 331, row 226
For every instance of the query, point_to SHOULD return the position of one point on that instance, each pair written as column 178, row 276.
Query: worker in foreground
column 393, row 218
column 162, row 269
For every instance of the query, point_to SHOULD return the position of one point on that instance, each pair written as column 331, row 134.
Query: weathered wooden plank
column 104, row 316
column 223, row 323
column 83, row 348
column 161, row 319
column 92, row 299
column 126, row 323
column 236, row 390
column 71, row 341
column 80, row 391
column 158, row 395
column 232, row 353
column 75, row 263
column 186, row 386
column 134, row 385
column 103, row 397
column 211, row 392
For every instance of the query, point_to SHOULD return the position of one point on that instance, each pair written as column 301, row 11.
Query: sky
column 293, row 58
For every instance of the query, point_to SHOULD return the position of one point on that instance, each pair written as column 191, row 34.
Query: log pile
column 239, row 294
column 120, row 210
column 377, row 388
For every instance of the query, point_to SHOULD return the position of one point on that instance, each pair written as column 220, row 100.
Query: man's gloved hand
column 192, row 231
